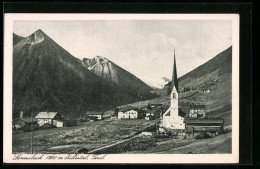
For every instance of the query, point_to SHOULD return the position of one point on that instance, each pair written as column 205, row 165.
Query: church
column 171, row 118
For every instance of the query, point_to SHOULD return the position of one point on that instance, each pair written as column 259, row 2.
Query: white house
column 47, row 117
column 171, row 118
column 197, row 110
column 129, row 113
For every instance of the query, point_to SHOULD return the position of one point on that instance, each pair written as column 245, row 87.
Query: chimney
column 21, row 114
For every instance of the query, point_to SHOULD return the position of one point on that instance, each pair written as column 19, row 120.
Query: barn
column 211, row 124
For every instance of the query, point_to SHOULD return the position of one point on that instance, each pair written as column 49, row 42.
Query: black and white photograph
column 84, row 86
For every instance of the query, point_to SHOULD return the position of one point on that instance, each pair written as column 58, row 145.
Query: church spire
column 174, row 75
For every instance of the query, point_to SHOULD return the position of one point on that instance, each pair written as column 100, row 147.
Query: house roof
column 28, row 119
column 46, row 115
column 128, row 108
column 59, row 121
column 94, row 112
column 198, row 106
column 155, row 105
column 153, row 111
column 181, row 113
column 167, row 112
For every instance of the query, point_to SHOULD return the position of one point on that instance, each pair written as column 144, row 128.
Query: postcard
column 121, row 88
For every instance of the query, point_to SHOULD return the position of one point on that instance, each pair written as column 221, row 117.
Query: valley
column 48, row 78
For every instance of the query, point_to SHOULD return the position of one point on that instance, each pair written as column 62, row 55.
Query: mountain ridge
column 107, row 69
column 46, row 77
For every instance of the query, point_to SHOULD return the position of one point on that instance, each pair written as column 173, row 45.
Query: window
column 174, row 95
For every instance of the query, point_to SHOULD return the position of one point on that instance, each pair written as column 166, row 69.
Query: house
column 153, row 114
column 172, row 119
column 93, row 114
column 48, row 118
column 192, row 110
column 130, row 113
column 197, row 110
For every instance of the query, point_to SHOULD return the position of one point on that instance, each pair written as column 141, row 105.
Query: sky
column 143, row 47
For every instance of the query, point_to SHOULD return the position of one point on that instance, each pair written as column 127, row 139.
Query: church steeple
column 174, row 75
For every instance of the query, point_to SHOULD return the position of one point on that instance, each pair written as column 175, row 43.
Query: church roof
column 174, row 75
column 185, row 109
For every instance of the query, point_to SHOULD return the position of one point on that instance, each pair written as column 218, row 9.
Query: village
column 183, row 120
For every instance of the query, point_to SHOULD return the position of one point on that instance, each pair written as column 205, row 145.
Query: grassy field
column 219, row 144
column 90, row 135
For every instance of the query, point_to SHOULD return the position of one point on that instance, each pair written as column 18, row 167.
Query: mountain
column 16, row 38
column 106, row 69
column 48, row 78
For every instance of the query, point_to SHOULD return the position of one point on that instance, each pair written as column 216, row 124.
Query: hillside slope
column 48, row 78
column 105, row 68
column 16, row 38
